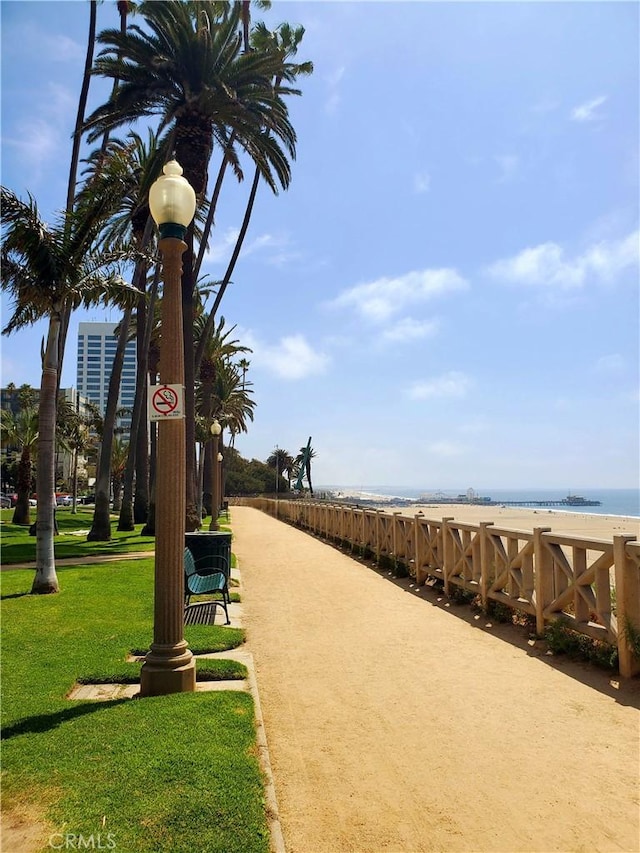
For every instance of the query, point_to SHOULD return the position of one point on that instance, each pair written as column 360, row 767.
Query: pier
column 563, row 502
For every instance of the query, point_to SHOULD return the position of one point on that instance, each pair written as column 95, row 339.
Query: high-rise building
column 97, row 344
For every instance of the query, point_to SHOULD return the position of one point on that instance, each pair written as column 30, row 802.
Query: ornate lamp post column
column 169, row 666
column 220, row 480
column 216, row 429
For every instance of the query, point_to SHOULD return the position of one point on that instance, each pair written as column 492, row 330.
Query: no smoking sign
column 166, row 402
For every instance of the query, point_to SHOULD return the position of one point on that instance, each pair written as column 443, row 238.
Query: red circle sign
column 164, row 401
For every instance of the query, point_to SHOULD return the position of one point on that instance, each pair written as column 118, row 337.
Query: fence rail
column 592, row 584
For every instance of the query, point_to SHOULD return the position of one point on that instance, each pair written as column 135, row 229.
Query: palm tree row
column 206, row 81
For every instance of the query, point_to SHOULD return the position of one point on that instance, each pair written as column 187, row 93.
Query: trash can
column 208, row 543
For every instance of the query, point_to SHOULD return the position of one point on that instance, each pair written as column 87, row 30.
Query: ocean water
column 613, row 501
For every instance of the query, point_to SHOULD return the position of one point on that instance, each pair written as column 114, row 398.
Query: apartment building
column 97, row 344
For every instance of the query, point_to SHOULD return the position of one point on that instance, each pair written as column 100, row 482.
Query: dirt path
column 397, row 723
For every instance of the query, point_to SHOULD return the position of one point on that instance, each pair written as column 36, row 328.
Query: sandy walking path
column 397, row 723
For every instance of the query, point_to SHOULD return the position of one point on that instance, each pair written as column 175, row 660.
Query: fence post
column 418, row 551
column 486, row 552
column 627, row 576
column 542, row 576
column 447, row 551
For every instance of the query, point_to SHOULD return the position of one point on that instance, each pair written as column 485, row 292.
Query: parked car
column 5, row 501
column 64, row 500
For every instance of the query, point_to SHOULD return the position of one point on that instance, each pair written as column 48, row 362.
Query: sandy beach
column 518, row 518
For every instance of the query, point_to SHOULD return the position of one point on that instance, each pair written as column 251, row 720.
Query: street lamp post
column 216, row 429
column 169, row 666
column 220, row 480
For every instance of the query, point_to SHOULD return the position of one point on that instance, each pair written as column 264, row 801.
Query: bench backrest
column 189, row 563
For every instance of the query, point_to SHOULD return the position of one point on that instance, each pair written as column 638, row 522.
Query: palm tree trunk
column 149, row 528
column 101, row 526
column 22, row 512
column 73, row 167
column 206, row 332
column 192, row 517
column 138, row 449
column 46, row 580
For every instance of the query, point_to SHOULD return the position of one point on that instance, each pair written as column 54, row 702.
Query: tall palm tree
column 189, row 70
column 75, row 159
column 20, row 432
column 45, row 268
column 137, row 164
column 283, row 43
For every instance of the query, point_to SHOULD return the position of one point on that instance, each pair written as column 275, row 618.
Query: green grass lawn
column 175, row 773
column 19, row 547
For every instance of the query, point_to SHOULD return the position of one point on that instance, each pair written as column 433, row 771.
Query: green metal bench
column 206, row 576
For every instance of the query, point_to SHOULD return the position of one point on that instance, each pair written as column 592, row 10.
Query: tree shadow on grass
column 14, row 595
column 41, row 723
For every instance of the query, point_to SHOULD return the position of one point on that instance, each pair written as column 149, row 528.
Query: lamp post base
column 168, row 669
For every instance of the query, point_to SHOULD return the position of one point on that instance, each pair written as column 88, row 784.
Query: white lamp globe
column 172, row 201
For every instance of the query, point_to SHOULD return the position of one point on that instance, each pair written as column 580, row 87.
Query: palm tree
column 283, row 462
column 137, row 165
column 20, row 432
column 217, row 391
column 283, row 43
column 74, row 434
column 119, row 454
column 45, row 268
column 101, row 525
column 189, row 70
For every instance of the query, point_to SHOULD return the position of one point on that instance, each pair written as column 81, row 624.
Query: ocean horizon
column 623, row 502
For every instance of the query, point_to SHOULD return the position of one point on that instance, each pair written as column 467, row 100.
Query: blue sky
column 447, row 295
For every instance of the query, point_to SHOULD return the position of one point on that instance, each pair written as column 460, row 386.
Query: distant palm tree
column 283, row 462
column 45, row 268
column 119, row 454
column 20, row 431
column 74, row 434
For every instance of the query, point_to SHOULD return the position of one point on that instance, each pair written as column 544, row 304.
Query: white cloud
column 408, row 329
column 220, row 247
column 380, row 299
column 548, row 264
column 421, row 182
column 451, row 384
column 272, row 245
column 587, row 111
column 43, row 136
column 39, row 141
column 291, row 358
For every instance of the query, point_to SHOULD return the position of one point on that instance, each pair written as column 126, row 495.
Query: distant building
column 10, row 399
column 96, row 350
